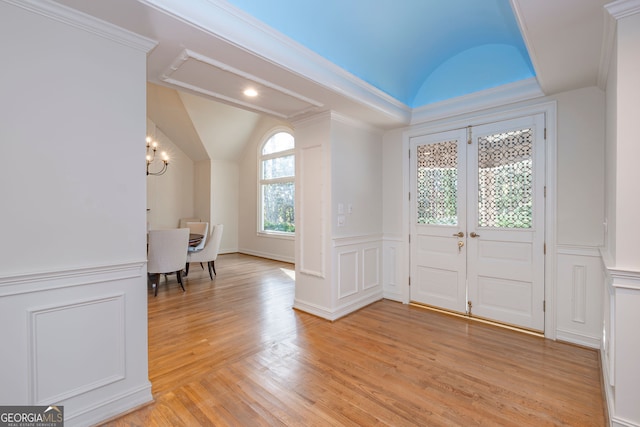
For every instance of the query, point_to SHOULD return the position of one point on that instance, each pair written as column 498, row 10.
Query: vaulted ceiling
column 417, row 51
column 382, row 62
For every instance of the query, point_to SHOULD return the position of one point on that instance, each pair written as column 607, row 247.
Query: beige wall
column 170, row 196
column 225, row 195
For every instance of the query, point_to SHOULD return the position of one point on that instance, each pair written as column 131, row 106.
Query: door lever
column 473, row 234
column 459, row 234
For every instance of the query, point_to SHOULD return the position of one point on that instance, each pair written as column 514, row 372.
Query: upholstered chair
column 201, row 228
column 209, row 253
column 167, row 254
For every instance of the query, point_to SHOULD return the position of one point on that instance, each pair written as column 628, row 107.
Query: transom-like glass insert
column 437, row 183
column 505, row 180
column 281, row 141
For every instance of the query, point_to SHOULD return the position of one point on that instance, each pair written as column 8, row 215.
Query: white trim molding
column 506, row 94
column 226, row 22
column 36, row 282
column 579, row 292
column 77, row 344
column 69, row 16
column 614, row 11
column 620, row 347
column 623, row 8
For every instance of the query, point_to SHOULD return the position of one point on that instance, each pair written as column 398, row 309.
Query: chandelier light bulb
column 152, row 147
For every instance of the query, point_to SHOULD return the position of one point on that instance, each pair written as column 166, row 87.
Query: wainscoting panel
column 394, row 286
column 370, row 268
column 358, row 274
column 348, row 274
column 620, row 351
column 70, row 357
column 77, row 338
column 311, row 238
column 579, row 295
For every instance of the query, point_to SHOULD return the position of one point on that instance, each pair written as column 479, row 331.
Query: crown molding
column 232, row 25
column 88, row 23
column 623, row 8
column 523, row 90
column 346, row 120
column 522, row 26
column 612, row 13
column 606, row 50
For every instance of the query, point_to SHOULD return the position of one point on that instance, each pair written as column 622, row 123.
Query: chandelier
column 152, row 147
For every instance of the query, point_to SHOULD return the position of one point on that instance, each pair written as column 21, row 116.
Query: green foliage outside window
column 278, row 207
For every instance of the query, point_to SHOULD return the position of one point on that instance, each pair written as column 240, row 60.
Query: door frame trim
column 549, row 109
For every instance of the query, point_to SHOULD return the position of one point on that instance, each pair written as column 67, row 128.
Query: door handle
column 459, row 234
column 473, row 234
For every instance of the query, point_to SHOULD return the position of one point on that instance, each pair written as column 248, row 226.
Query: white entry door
column 438, row 204
column 477, row 235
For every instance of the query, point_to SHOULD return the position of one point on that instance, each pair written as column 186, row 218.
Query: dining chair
column 167, row 254
column 201, row 228
column 210, row 252
column 183, row 221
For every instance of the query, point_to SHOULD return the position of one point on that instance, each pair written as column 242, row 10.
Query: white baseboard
column 339, row 312
column 267, row 255
column 113, row 407
column 614, row 421
column 393, row 296
column 576, row 338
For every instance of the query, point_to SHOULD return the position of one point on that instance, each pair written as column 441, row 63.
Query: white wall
column 73, row 285
column 224, row 202
column 627, row 172
column 249, row 240
column 611, row 156
column 356, row 163
column 338, row 268
column 202, row 191
column 394, row 196
column 580, row 215
column 620, row 343
column 356, row 215
column 580, row 192
column 170, row 196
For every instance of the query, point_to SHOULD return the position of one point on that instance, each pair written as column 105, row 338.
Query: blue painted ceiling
column 417, row 51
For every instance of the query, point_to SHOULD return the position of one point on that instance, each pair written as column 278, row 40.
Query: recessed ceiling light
column 251, row 92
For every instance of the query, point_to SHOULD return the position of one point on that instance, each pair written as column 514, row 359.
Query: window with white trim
column 277, row 185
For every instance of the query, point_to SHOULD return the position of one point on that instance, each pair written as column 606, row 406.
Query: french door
column 477, row 221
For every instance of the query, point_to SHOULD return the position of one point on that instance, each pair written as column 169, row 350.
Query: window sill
column 277, row 235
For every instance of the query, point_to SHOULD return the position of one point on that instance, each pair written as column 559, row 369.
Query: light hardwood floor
column 233, row 352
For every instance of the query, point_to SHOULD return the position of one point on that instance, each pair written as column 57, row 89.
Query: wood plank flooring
column 232, row 352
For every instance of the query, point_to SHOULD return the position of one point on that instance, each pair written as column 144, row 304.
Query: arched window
column 277, row 185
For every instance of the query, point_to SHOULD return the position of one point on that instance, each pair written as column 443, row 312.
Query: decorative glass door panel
column 437, row 183
column 477, row 234
column 505, row 179
column 438, row 212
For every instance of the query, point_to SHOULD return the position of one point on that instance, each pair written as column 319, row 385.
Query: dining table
column 195, row 239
